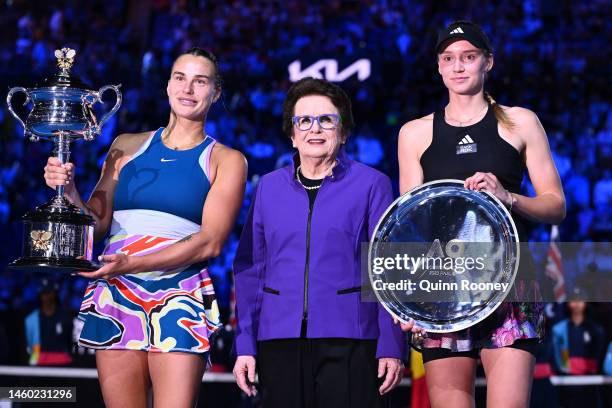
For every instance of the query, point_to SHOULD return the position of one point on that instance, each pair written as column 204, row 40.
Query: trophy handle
column 9, row 96
column 96, row 128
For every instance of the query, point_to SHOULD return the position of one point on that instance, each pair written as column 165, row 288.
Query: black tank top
column 459, row 152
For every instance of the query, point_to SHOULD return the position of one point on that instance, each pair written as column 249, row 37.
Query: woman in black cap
column 488, row 145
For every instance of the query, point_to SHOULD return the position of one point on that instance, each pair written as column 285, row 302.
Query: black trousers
column 319, row 373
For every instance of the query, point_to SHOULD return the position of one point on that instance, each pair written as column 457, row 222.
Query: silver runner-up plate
column 444, row 256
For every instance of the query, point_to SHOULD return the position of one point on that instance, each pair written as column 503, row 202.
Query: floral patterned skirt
column 511, row 321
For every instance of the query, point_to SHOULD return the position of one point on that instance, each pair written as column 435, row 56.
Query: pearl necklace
column 329, row 173
column 297, row 177
column 299, row 180
column 461, row 123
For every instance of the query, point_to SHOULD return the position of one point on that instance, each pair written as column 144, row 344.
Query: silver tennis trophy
column 444, row 256
column 58, row 236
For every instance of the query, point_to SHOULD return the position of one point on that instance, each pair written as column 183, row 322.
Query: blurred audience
column 556, row 49
column 49, row 330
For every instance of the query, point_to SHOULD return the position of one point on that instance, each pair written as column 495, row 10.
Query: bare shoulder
column 417, row 126
column 129, row 143
column 527, row 126
column 229, row 161
column 520, row 116
column 225, row 155
column 416, row 135
column 123, row 148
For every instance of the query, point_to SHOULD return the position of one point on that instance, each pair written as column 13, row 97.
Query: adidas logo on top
column 467, row 145
column 466, row 140
column 457, row 30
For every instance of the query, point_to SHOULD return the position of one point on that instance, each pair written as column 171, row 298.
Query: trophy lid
column 63, row 78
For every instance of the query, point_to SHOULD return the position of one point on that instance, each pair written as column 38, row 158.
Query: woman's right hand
column 244, row 373
column 58, row 174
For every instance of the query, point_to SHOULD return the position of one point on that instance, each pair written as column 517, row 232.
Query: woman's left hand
column 488, row 182
column 114, row 265
column 394, row 369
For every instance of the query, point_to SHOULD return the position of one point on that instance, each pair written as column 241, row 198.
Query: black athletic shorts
column 429, row 354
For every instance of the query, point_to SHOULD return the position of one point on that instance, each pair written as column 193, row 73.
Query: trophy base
column 51, row 265
column 58, row 239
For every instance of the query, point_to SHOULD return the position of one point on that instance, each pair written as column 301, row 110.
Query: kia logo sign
column 328, row 69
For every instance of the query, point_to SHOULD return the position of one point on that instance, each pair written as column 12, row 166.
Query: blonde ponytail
column 499, row 113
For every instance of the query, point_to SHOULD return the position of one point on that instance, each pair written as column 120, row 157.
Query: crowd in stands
column 551, row 57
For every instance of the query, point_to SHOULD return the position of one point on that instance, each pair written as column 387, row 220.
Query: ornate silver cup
column 444, row 255
column 58, row 236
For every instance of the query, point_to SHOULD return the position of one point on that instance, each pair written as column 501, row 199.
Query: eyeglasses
column 465, row 58
column 327, row 121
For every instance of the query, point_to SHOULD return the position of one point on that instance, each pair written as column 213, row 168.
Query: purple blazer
column 277, row 284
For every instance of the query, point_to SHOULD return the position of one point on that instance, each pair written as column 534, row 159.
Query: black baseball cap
column 463, row 30
column 48, row 286
column 577, row 293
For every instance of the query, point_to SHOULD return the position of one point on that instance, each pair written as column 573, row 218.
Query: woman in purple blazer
column 301, row 322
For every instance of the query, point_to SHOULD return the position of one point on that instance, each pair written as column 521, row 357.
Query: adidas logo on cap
column 457, row 30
